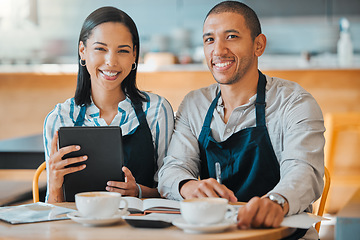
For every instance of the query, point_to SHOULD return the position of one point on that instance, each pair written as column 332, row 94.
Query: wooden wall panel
column 26, row 98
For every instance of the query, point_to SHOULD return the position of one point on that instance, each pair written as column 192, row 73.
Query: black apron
column 139, row 153
column 247, row 159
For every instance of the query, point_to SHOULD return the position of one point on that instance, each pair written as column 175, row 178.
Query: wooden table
column 68, row 229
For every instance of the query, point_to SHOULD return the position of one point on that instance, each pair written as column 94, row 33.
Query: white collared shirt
column 158, row 112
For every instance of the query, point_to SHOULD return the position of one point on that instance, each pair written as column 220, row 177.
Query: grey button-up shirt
column 296, row 128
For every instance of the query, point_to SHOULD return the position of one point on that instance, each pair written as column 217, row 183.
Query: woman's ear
column 81, row 50
column 134, row 52
column 260, row 44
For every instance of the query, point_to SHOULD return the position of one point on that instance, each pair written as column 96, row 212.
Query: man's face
column 228, row 47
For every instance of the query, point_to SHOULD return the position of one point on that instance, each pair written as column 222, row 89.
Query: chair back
column 35, row 186
column 320, row 211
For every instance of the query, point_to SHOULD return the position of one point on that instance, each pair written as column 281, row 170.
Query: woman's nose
column 111, row 59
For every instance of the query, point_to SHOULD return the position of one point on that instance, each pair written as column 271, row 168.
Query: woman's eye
column 123, row 51
column 99, row 49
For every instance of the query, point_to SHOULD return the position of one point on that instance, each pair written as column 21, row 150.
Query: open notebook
column 151, row 205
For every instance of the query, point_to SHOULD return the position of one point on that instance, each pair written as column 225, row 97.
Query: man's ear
column 260, row 44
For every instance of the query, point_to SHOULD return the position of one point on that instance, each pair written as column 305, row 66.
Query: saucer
column 211, row 228
column 76, row 216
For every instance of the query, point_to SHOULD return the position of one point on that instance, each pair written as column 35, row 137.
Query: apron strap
column 210, row 112
column 139, row 113
column 81, row 117
column 260, row 101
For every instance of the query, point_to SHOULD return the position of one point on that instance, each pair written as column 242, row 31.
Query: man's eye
column 209, row 40
column 232, row 36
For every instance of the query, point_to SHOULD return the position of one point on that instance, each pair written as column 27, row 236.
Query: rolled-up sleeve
column 302, row 156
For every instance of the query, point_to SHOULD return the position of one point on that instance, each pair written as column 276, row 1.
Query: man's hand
column 206, row 188
column 261, row 212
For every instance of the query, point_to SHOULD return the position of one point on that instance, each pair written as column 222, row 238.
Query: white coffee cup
column 99, row 204
column 205, row 211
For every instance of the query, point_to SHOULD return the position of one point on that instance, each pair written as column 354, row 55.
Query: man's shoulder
column 207, row 92
column 284, row 85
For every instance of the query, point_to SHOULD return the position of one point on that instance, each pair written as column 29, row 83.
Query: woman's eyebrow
column 104, row 44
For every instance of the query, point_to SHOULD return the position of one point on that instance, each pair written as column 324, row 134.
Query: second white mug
column 205, row 211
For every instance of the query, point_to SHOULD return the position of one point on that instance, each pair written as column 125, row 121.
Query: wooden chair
column 321, row 208
column 35, row 185
column 342, row 157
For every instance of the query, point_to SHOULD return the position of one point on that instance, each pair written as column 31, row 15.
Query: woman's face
column 109, row 55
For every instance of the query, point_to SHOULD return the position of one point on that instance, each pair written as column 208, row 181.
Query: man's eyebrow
column 207, row 34
column 104, row 44
column 232, row 31
column 227, row 31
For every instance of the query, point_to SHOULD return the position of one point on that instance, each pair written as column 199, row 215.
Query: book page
column 160, row 204
column 134, row 204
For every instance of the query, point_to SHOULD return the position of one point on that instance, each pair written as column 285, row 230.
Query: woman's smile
column 109, row 75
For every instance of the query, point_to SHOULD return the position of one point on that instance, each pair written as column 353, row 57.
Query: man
column 266, row 133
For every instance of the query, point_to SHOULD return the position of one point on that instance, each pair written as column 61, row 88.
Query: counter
column 26, row 98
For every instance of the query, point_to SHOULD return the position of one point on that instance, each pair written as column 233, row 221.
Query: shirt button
column 228, row 130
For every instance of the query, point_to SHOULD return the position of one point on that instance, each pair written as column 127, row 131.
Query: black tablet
column 103, row 146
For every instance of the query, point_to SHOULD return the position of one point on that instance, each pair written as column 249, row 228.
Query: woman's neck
column 108, row 102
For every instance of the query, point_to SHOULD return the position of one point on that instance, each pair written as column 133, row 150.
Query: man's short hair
column 251, row 19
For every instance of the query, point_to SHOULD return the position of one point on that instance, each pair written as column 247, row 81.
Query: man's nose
column 219, row 48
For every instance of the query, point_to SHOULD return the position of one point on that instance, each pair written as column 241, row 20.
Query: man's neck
column 239, row 93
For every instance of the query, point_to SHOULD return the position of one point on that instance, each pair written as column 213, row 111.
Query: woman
column 106, row 94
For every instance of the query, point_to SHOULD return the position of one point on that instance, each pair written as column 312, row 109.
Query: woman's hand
column 56, row 167
column 127, row 188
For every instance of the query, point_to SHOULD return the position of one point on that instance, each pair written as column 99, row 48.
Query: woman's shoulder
column 63, row 110
column 154, row 100
column 156, row 105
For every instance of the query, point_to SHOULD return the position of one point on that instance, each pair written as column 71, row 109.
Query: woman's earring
column 134, row 66
column 82, row 63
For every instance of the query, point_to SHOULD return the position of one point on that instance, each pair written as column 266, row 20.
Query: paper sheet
column 302, row 220
column 34, row 212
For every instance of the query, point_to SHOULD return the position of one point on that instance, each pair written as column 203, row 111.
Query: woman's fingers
column 127, row 188
column 128, row 175
column 54, row 143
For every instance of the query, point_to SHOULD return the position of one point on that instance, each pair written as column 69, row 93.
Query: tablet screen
column 103, row 146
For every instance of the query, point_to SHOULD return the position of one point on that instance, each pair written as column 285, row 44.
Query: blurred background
column 41, row 31
column 38, row 69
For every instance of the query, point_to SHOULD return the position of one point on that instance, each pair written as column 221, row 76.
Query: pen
column 218, row 172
